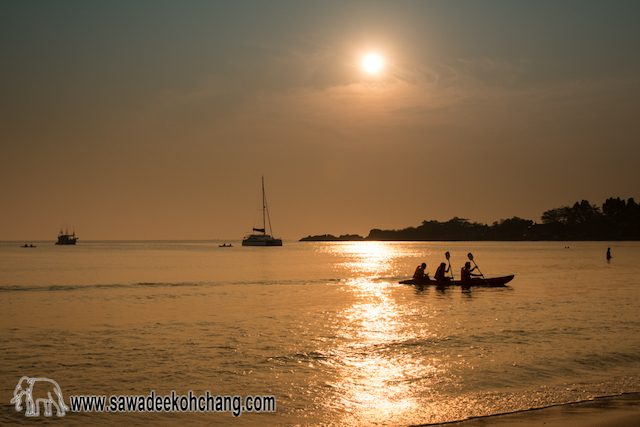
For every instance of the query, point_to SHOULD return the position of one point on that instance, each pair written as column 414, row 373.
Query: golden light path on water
column 407, row 356
column 379, row 378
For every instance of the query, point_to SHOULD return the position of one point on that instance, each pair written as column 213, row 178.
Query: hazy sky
column 156, row 119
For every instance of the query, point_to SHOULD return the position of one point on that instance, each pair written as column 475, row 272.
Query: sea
column 313, row 333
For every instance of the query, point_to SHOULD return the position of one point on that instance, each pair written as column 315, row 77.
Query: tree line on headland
column 617, row 219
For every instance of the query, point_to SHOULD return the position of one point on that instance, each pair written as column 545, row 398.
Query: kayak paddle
column 450, row 270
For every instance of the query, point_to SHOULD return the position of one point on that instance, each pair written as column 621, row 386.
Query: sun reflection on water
column 369, row 259
column 381, row 375
column 378, row 377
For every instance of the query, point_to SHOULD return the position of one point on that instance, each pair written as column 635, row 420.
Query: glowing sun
column 372, row 63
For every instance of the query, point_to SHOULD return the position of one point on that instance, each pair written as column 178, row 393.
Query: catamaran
column 259, row 237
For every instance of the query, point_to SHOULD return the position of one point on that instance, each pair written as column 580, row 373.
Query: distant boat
column 66, row 238
column 260, row 236
column 224, row 245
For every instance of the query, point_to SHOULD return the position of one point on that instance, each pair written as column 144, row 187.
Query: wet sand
column 618, row 411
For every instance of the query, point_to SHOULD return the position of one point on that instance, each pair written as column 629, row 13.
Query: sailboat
column 259, row 237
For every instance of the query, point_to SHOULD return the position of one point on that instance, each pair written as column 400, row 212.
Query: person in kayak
column 419, row 273
column 466, row 272
column 440, row 272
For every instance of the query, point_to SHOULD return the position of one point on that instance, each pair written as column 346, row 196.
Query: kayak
column 492, row 282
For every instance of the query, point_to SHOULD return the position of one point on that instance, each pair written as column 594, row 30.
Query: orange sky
column 156, row 120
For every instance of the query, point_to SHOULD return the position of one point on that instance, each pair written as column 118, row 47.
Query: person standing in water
column 608, row 254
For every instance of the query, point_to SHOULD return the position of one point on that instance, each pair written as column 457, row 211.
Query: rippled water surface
column 324, row 327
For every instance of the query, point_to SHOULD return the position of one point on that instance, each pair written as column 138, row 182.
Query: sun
column 372, row 63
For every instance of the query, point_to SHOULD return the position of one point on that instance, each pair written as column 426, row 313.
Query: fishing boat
column 66, row 238
column 491, row 282
column 259, row 237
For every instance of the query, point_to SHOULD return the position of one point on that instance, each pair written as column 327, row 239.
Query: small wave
column 528, row 410
column 67, row 288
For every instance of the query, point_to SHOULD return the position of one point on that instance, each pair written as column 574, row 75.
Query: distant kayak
column 492, row 282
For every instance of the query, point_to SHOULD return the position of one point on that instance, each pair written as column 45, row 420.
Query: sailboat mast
column 264, row 208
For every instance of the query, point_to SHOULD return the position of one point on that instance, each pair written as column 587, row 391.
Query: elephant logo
column 36, row 390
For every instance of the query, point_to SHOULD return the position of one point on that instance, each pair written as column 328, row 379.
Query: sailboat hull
column 261, row 240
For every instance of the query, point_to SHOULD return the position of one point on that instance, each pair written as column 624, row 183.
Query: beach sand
column 619, row 411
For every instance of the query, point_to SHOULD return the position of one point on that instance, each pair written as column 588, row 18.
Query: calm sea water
column 323, row 327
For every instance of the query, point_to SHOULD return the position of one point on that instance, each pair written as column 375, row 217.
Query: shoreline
column 609, row 411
